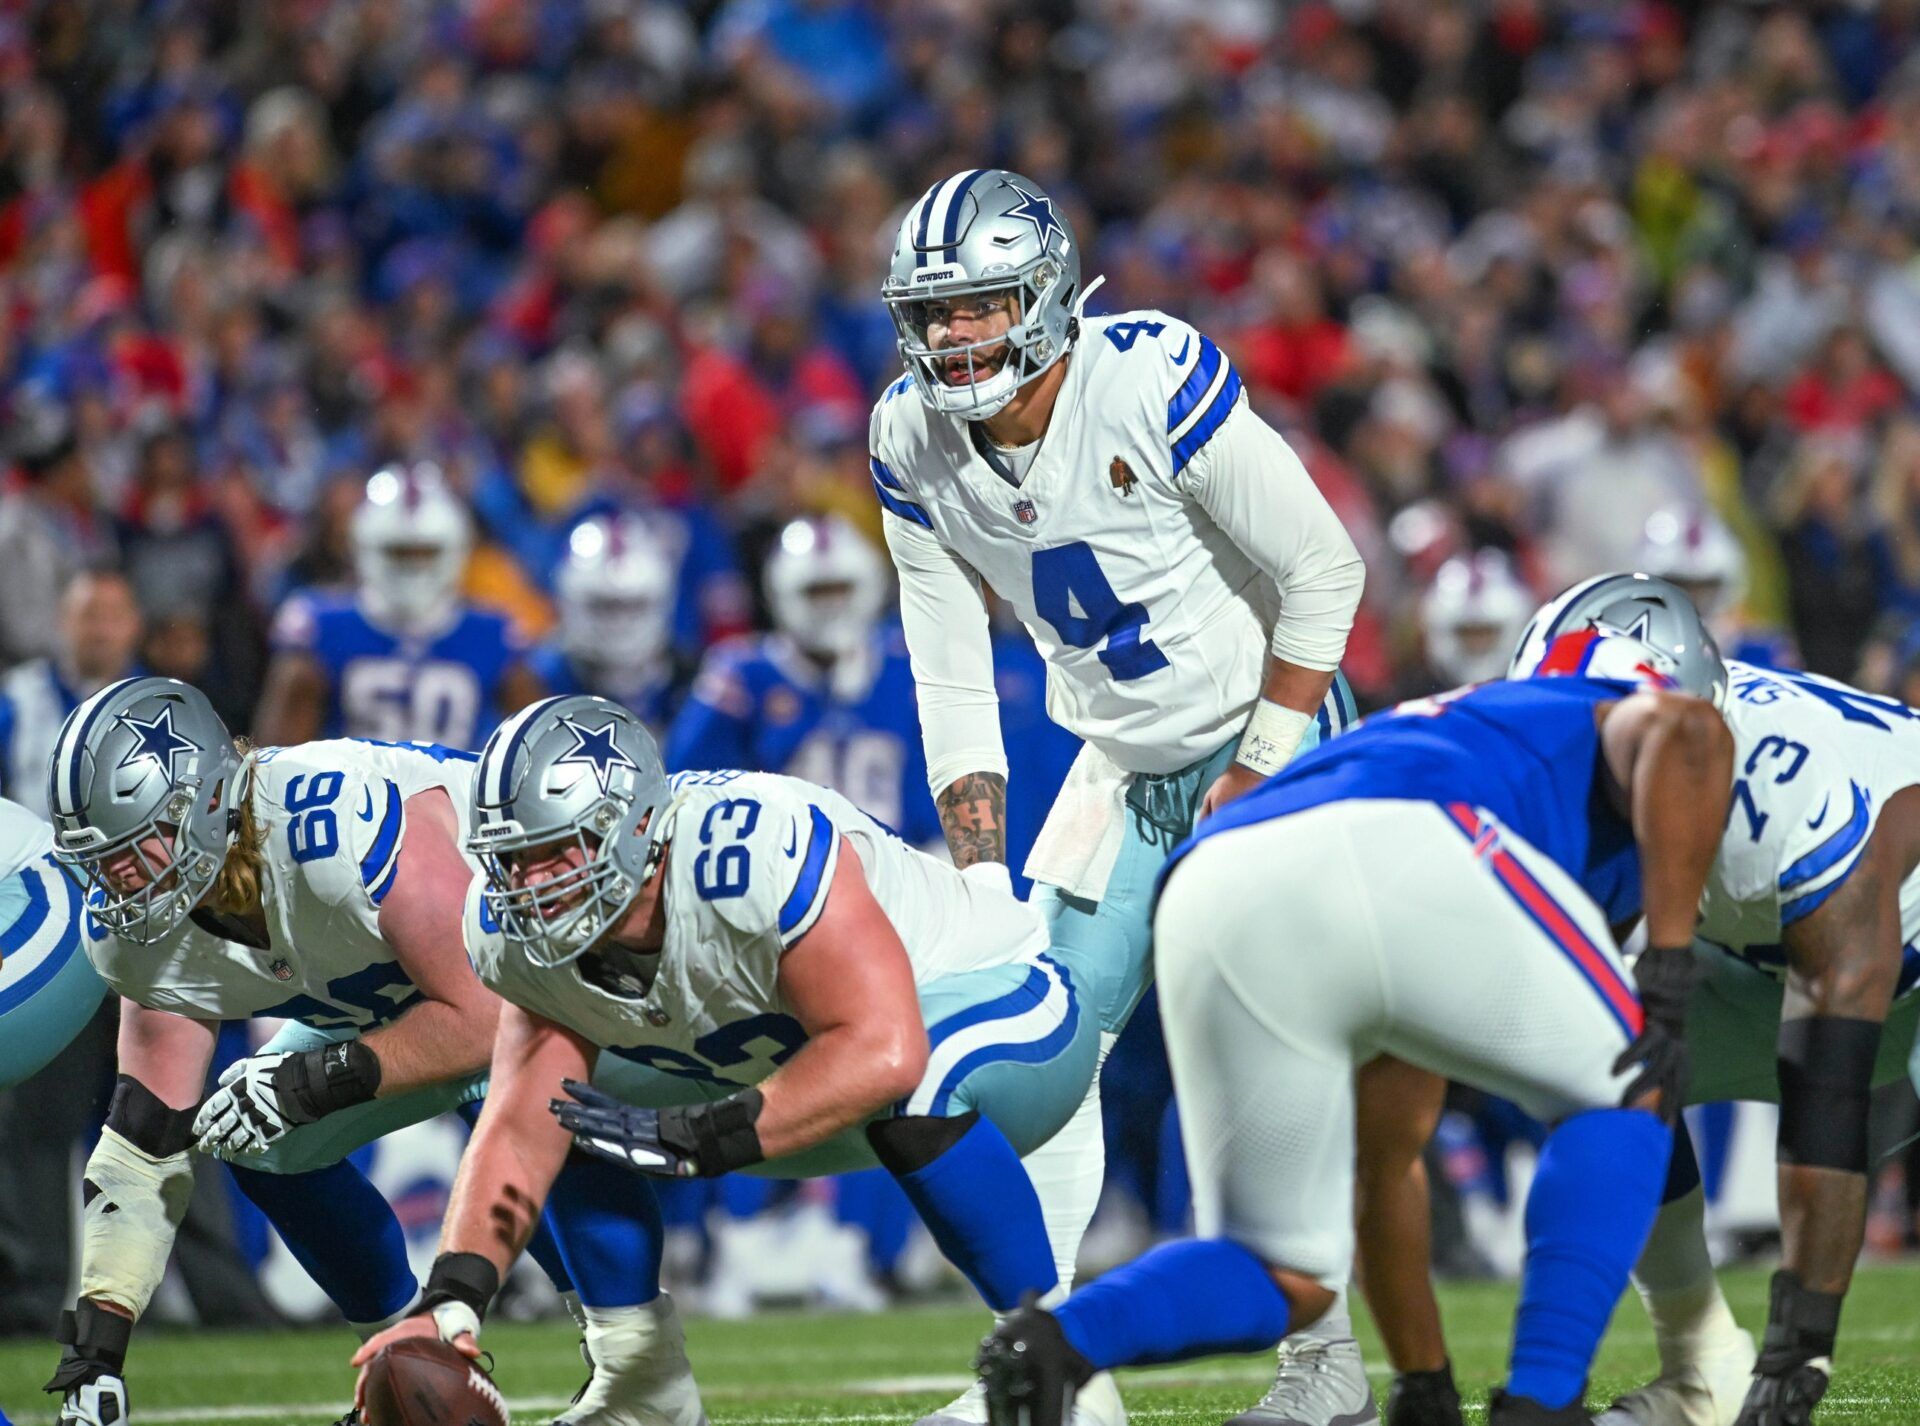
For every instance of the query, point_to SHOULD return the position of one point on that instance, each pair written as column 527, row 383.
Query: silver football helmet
column 1470, row 616
column 826, row 585
column 615, row 591
column 411, row 538
column 144, row 759
column 579, row 771
column 1649, row 611
column 984, row 233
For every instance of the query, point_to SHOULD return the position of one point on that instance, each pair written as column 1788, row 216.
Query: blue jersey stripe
column 1834, row 850
column 883, row 473
column 31, row 921
column 1195, row 387
column 27, row 926
column 378, row 891
column 905, row 509
column 807, row 888
column 385, row 842
column 1029, row 993
column 1201, row 432
column 1030, row 1052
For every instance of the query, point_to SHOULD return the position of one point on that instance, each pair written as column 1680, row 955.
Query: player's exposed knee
column 1307, row 1299
column 1397, row 1107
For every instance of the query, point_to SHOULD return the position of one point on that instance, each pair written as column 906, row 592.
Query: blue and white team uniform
column 759, row 702
column 1436, row 885
column 34, row 702
column 443, row 687
column 752, row 861
column 1156, row 547
column 48, row 988
column 1815, row 762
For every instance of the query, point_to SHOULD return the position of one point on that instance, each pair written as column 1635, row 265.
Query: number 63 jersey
column 332, row 819
column 1815, row 761
column 751, row 861
column 1153, row 621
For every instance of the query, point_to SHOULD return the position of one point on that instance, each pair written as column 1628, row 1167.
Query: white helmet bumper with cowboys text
column 1471, row 615
column 981, row 233
column 826, row 585
column 144, row 759
column 411, row 537
column 577, row 772
column 1639, row 607
column 1694, row 549
column 615, row 591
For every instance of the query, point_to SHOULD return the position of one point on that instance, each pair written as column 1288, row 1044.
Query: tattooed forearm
column 973, row 814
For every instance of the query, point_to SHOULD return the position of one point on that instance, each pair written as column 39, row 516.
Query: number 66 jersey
column 1161, row 535
column 751, row 861
column 1814, row 763
column 332, row 820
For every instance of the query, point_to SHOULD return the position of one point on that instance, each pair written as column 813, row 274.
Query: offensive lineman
column 1188, row 586
column 783, row 985
column 324, row 884
column 1520, row 819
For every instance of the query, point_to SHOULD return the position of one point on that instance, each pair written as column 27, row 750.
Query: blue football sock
column 1591, row 1206
column 607, row 1225
column 339, row 1228
column 1189, row 1299
column 979, row 1204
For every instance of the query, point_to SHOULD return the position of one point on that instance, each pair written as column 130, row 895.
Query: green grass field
column 793, row 1369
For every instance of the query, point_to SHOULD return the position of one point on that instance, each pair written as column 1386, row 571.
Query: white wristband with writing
column 1272, row 737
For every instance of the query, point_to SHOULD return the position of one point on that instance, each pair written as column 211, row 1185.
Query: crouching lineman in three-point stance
column 1188, row 586
column 756, row 976
column 1437, row 885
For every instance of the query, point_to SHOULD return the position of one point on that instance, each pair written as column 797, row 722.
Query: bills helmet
column 1471, row 615
column 1694, row 549
column 826, row 585
column 615, row 591
column 411, row 538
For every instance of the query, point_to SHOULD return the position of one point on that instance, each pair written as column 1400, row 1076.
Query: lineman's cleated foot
column 1424, row 1399
column 1030, row 1370
column 352, row 1418
column 641, row 1376
column 1707, row 1391
column 1321, row 1381
column 1095, row 1404
column 100, row 1402
column 1505, row 1410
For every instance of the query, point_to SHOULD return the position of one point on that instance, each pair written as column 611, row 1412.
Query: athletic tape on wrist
column 1272, row 737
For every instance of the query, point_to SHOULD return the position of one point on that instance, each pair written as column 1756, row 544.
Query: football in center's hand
column 421, row 1381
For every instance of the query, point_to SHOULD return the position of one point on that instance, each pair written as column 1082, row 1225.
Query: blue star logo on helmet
column 595, row 748
column 1641, row 628
column 157, row 740
column 1037, row 209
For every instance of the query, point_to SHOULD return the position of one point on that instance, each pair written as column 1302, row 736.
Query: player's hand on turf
column 249, row 1111
column 620, row 1133
column 1664, row 979
column 421, row 1324
column 1786, row 1398
column 1236, row 781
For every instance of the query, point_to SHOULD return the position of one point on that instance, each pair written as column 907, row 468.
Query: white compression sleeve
column 1257, row 491
column 944, row 615
column 133, row 1209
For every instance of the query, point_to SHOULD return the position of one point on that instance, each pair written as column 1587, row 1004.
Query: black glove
column 690, row 1141
column 1796, row 1355
column 1665, row 980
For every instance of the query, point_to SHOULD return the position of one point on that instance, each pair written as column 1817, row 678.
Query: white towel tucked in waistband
column 1077, row 848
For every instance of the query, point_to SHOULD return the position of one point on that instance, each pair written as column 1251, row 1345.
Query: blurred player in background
column 828, row 696
column 1189, row 587
column 1470, row 617
column 98, row 640
column 402, row 658
column 1691, row 547
column 615, row 588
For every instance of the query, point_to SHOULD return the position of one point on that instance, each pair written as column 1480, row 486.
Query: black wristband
column 719, row 1137
column 315, row 1083
column 96, row 1343
column 469, row 1278
column 1664, row 977
column 1826, row 1081
column 139, row 1116
column 1801, row 1324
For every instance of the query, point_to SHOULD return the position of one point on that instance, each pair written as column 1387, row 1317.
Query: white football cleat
column 641, row 1375
column 101, row 1402
column 1707, row 1391
column 1097, row 1403
column 1320, row 1381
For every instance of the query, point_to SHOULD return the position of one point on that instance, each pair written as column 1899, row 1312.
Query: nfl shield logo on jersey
column 1024, row 512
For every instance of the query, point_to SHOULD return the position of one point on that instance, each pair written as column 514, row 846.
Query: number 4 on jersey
column 1070, row 575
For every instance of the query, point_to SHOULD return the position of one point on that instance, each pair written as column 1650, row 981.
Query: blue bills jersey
column 34, row 702
column 444, row 690
column 1526, row 752
column 759, row 704
column 653, row 699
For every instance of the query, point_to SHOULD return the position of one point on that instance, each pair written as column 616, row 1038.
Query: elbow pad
column 1826, row 1073
column 132, row 1205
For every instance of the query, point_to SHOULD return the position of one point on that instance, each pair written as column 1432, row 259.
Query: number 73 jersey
column 1153, row 622
column 1815, row 761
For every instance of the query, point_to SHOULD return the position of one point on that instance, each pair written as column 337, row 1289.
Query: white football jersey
column 752, row 857
column 1814, row 762
column 333, row 818
column 1153, row 622
column 24, row 835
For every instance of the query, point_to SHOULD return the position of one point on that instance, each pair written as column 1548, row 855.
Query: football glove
column 690, row 1141
column 1664, row 979
column 262, row 1097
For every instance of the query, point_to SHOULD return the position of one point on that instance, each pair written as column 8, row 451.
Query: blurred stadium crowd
column 1551, row 280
